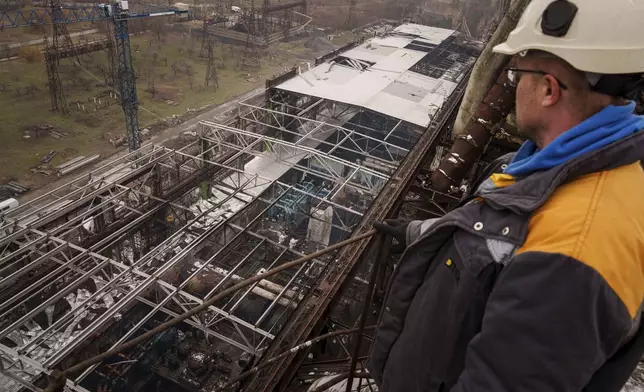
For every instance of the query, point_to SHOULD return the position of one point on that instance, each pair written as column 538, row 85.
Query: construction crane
column 119, row 13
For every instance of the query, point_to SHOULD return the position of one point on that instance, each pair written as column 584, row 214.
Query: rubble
column 40, row 130
column 116, row 141
column 636, row 383
column 49, row 157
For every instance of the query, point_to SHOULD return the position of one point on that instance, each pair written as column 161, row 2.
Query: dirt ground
column 170, row 86
column 170, row 83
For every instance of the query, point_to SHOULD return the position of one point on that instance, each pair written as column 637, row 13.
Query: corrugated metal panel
column 387, row 87
column 392, row 41
column 372, row 53
column 399, row 61
column 433, row 35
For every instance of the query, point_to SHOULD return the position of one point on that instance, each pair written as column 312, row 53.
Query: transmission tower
column 250, row 58
column 211, row 71
column 56, row 95
column 203, row 52
column 351, row 16
column 60, row 43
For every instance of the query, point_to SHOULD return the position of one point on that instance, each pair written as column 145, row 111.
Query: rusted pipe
column 469, row 147
column 487, row 66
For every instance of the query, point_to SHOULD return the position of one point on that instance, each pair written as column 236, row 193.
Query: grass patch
column 172, row 66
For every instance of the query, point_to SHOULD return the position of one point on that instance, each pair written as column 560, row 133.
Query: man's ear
column 551, row 91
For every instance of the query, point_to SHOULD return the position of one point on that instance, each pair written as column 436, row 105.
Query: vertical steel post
column 127, row 83
column 383, row 252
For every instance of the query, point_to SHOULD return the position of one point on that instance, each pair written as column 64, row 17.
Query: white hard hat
column 597, row 36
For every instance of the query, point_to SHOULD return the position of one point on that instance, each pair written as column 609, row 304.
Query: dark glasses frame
column 514, row 80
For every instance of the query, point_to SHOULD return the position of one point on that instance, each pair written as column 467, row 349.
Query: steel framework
column 307, row 319
column 112, row 251
column 61, row 45
column 211, row 68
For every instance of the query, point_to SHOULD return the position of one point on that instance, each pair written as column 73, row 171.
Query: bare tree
column 5, row 51
column 32, row 89
column 159, row 28
column 191, row 47
column 155, row 58
column 175, row 69
column 189, row 70
column 87, row 84
column 74, row 73
column 105, row 73
column 190, row 81
column 151, row 88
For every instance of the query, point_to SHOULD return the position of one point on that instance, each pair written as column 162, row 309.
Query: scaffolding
column 261, row 27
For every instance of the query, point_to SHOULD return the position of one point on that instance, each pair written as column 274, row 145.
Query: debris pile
column 12, row 189
column 39, row 130
column 116, row 141
column 47, row 158
column 319, row 45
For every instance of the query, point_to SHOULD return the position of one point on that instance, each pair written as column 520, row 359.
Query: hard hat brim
column 504, row 48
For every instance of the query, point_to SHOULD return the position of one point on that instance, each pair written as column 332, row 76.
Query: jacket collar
column 527, row 194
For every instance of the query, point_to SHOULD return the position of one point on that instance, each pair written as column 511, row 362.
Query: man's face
column 529, row 111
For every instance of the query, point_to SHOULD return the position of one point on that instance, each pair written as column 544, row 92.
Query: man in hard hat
column 536, row 282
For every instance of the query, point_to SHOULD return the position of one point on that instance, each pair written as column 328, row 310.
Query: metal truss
column 127, row 245
column 306, row 320
column 83, row 244
column 100, row 289
column 396, row 132
column 364, row 141
column 324, row 165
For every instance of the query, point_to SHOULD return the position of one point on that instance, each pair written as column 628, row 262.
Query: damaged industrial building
column 155, row 233
column 326, row 150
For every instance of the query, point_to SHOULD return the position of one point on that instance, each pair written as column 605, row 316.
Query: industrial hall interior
column 187, row 186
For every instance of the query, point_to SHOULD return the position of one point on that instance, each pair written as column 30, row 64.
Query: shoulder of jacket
column 598, row 220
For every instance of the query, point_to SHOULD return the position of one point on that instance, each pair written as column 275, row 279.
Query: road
column 217, row 113
column 42, row 40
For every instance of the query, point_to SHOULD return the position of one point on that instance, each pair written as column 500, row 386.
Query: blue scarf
column 609, row 125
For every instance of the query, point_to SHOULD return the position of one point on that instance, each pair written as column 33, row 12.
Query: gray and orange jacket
column 532, row 285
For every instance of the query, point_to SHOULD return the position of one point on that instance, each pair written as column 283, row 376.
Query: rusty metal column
column 469, row 146
column 382, row 253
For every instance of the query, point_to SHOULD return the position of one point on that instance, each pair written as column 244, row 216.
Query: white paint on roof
column 373, row 53
column 389, row 86
column 399, row 61
column 392, row 41
column 434, row 35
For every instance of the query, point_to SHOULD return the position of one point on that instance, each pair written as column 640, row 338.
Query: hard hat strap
column 627, row 86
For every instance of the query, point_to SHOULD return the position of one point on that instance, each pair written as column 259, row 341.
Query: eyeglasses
column 513, row 76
